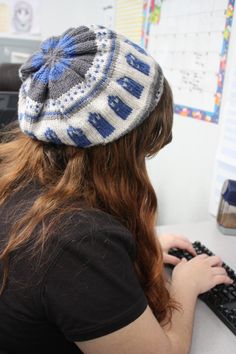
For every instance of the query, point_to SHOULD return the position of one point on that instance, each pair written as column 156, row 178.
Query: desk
column 210, row 335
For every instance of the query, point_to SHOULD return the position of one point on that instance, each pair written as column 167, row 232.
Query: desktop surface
column 210, row 335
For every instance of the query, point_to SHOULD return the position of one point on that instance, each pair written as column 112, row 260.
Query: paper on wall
column 4, row 17
column 129, row 19
column 25, row 17
column 225, row 165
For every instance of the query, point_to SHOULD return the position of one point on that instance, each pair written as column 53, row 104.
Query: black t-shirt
column 83, row 286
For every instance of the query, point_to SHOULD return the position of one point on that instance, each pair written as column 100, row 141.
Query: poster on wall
column 25, row 17
column 190, row 40
column 4, row 16
column 129, row 18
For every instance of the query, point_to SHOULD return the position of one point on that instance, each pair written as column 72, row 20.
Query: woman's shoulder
column 97, row 225
column 94, row 219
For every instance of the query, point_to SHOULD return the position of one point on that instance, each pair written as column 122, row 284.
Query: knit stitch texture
column 87, row 87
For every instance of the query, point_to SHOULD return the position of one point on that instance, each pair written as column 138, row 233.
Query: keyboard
column 222, row 298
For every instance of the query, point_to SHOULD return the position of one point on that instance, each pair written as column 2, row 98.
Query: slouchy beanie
column 86, row 87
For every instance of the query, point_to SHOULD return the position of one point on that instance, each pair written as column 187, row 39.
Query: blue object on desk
column 229, row 194
column 226, row 216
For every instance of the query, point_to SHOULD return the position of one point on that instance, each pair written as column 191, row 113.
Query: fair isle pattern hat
column 88, row 86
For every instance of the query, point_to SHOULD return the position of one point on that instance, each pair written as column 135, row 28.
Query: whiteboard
column 190, row 40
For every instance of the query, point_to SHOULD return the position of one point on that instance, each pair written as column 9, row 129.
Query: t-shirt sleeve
column 92, row 289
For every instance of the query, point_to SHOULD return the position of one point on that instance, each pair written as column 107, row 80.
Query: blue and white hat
column 87, row 87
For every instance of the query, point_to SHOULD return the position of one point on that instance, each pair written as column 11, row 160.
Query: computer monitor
column 8, row 108
column 17, row 50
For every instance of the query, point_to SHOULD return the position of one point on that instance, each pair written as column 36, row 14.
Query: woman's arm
column 189, row 279
column 181, row 328
column 145, row 335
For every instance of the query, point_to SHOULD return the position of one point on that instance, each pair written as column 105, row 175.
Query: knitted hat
column 88, row 86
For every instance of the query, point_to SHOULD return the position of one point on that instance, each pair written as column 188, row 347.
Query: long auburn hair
column 112, row 178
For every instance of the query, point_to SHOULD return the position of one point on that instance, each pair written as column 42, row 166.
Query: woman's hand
column 200, row 274
column 168, row 241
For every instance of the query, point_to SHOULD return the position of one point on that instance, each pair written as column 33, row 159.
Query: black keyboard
column 222, row 298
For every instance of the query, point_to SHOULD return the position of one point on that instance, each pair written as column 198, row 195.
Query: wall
column 57, row 16
column 182, row 172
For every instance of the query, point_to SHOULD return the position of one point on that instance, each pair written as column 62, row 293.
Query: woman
column 82, row 269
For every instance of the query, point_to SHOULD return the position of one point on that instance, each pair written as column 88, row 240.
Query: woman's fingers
column 185, row 245
column 219, row 271
column 219, row 279
column 180, row 236
column 214, row 261
column 171, row 259
column 203, row 255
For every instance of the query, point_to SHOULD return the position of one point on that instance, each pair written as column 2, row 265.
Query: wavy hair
column 112, row 178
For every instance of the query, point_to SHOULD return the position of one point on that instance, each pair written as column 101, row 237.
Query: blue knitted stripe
column 90, row 95
column 103, row 127
column 49, row 44
column 67, row 43
column 55, row 71
column 137, row 64
column 38, row 60
column 52, row 136
column 131, row 86
column 78, row 137
column 42, row 74
column 46, row 74
column 34, row 118
column 119, row 107
column 136, row 46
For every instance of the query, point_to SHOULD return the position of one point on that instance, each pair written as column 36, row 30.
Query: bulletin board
column 190, row 40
